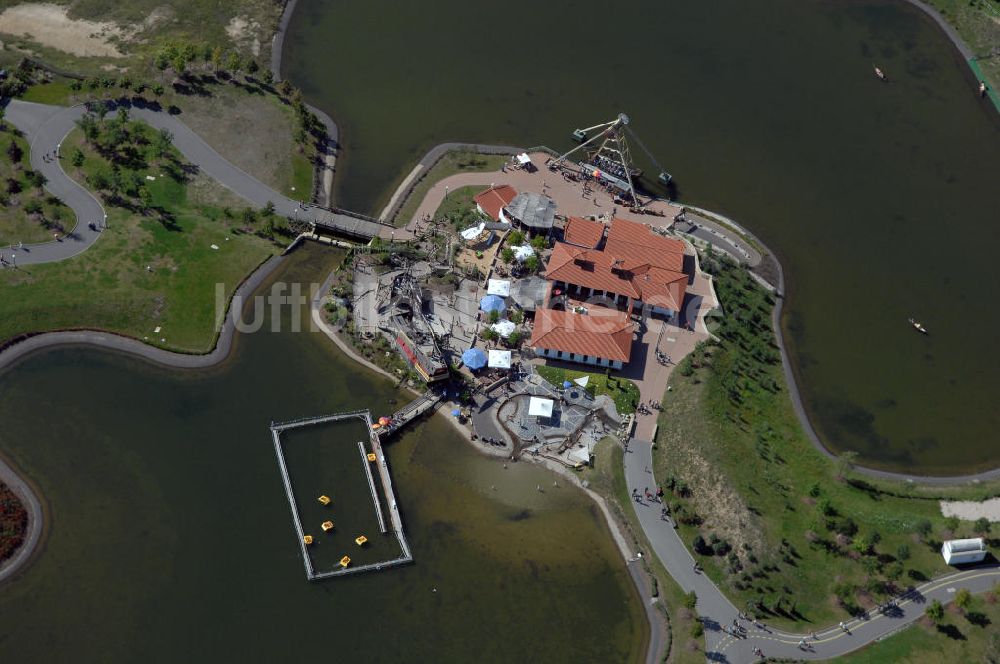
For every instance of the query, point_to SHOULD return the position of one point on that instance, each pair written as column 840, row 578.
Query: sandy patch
column 243, row 30
column 49, row 25
column 968, row 510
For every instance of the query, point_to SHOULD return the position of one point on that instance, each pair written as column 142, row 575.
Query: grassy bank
column 450, row 164
column 978, row 23
column 27, row 212
column 623, row 391
column 241, row 26
column 155, row 266
column 962, row 635
column 607, row 478
column 784, row 531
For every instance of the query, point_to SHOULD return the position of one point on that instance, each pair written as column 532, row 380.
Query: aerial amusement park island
column 332, row 325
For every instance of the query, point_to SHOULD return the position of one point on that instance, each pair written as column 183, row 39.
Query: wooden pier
column 385, row 479
column 410, row 412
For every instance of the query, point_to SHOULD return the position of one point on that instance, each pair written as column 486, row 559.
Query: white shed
column 962, row 551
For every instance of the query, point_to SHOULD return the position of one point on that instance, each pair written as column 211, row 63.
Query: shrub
column 982, row 525
column 935, row 611
column 700, row 546
column 690, row 600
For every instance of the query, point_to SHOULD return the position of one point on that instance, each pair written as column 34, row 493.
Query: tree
column 982, row 525
column 514, row 339
column 145, row 197
column 36, row 179
column 935, row 612
column 494, row 316
column 700, row 546
column 963, row 598
column 516, row 238
column 217, row 58
column 157, row 90
column 249, row 216
column 844, row 463
column 690, row 600
column 923, row 527
column 162, row 142
column 531, row 264
column 269, row 209
column 507, row 255
column 179, row 64
column 14, row 152
column 539, row 242
column 234, row 63
column 77, row 158
column 952, row 523
column 268, row 77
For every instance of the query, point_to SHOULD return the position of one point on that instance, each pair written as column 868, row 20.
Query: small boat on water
column 918, row 326
column 982, row 88
column 345, row 561
column 327, row 526
column 360, row 540
column 324, row 499
column 308, row 539
column 880, row 75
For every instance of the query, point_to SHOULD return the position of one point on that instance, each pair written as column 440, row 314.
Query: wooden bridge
column 345, row 222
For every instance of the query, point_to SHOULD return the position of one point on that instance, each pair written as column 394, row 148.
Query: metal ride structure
column 608, row 158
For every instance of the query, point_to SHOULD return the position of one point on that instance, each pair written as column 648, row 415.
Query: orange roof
column 605, row 271
column 495, row 199
column 630, row 239
column 606, row 333
column 583, row 232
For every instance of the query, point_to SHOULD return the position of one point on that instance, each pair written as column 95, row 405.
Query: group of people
column 645, row 406
column 649, row 495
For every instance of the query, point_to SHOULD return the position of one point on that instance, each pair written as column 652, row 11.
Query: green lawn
column 795, row 541
column 972, row 636
column 623, row 391
column 451, row 163
column 55, row 92
column 109, row 286
column 27, row 213
column 301, row 180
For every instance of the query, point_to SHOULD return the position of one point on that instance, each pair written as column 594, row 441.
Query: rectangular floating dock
column 395, row 520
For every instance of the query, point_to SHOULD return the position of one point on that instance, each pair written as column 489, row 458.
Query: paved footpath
column 717, row 612
column 46, row 126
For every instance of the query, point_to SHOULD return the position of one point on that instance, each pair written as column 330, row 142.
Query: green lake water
column 170, row 537
column 880, row 199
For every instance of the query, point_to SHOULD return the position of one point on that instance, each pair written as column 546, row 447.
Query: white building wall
column 579, row 359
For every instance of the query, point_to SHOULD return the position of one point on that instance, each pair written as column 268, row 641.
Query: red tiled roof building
column 492, row 201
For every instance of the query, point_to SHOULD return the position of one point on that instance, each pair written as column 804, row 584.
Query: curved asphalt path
column 717, row 611
column 45, row 127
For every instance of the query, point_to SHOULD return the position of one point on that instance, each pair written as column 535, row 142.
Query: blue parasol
column 456, row 412
column 474, row 358
column 492, row 303
column 566, row 383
